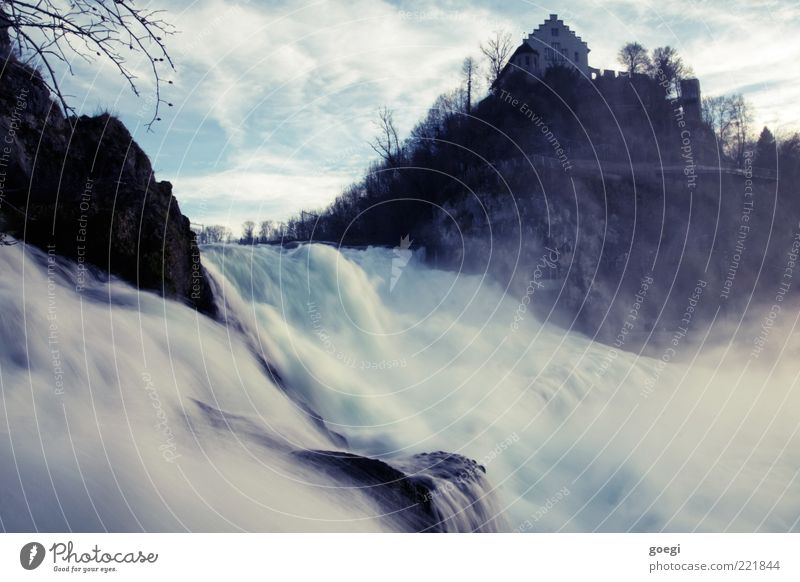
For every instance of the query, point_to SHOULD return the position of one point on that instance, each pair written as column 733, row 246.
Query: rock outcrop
column 83, row 187
column 428, row 492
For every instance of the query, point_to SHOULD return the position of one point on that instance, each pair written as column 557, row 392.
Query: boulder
column 428, row 492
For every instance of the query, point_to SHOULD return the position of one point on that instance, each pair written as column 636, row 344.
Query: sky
column 273, row 103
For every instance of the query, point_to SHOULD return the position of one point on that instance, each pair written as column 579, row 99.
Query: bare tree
column 469, row 70
column 742, row 117
column 266, row 230
column 717, row 116
column 434, row 125
column 386, row 143
column 730, row 117
column 216, row 233
column 667, row 66
column 47, row 33
column 634, row 58
column 291, row 229
column 497, row 50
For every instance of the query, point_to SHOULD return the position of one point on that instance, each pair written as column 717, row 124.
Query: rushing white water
column 402, row 358
column 106, row 417
column 398, row 358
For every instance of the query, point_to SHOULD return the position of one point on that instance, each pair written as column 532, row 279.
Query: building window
column 577, row 59
column 555, row 31
column 556, row 55
column 527, row 61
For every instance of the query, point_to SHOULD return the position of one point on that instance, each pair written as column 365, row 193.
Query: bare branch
column 497, row 50
column 730, row 118
column 47, row 32
column 469, row 70
column 387, row 143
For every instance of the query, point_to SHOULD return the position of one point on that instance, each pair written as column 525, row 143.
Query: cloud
column 731, row 48
column 279, row 97
column 233, row 196
column 294, row 91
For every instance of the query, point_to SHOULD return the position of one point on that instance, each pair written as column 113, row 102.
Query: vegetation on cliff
column 625, row 176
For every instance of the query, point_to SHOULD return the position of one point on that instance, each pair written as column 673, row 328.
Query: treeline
column 455, row 152
column 601, row 174
column 729, row 117
column 266, row 231
column 459, row 150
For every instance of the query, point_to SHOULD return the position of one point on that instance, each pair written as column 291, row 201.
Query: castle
column 551, row 44
column 554, row 44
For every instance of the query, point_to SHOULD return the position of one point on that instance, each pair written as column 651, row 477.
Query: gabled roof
column 522, row 49
column 554, row 19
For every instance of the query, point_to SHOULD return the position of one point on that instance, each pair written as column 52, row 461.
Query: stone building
column 551, row 44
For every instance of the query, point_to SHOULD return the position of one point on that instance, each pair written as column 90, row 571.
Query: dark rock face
column 428, row 492
column 434, row 492
column 407, row 500
column 84, row 186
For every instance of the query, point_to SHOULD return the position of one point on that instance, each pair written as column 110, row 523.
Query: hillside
column 617, row 182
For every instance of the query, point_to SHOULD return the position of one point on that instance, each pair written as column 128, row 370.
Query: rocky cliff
column 84, row 189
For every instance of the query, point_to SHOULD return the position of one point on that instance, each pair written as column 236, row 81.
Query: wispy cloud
column 273, row 101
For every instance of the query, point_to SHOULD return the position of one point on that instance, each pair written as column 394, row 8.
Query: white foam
column 710, row 448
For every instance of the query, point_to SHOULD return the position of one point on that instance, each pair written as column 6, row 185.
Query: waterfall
column 359, row 389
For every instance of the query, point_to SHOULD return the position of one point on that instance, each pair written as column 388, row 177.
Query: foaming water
column 401, row 359
column 124, row 412
column 121, row 411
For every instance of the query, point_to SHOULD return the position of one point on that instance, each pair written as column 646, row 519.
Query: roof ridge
column 541, row 27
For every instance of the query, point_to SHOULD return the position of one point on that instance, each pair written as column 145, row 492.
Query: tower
column 690, row 99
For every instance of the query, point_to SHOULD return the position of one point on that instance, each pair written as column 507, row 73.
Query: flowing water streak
column 123, row 411
column 425, row 360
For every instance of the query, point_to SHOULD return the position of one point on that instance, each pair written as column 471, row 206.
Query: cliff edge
column 83, row 188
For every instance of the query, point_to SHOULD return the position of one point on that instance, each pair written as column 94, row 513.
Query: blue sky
column 274, row 101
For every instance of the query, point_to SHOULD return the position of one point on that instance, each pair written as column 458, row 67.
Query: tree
column 427, row 131
column 469, row 70
column 216, row 233
column 266, row 231
column 47, row 33
column 497, row 50
column 386, row 143
column 280, row 230
column 742, row 116
column 766, row 150
column 730, row 117
column 248, row 229
column 667, row 66
column 789, row 156
column 716, row 115
column 633, row 57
